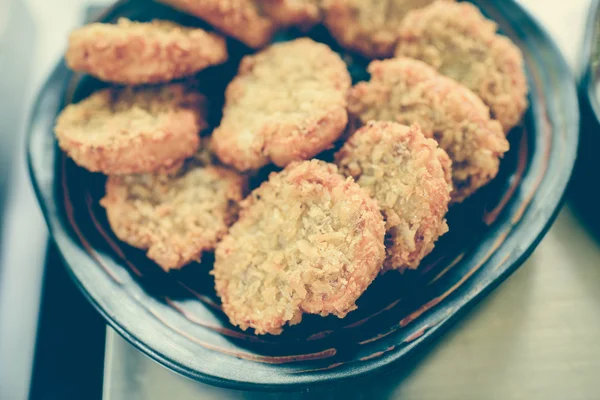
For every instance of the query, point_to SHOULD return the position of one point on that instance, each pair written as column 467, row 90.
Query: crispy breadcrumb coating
column 369, row 27
column 302, row 13
column 287, row 103
column 137, row 53
column 409, row 91
column 176, row 217
column 242, row 19
column 133, row 130
column 458, row 41
column 404, row 172
column 307, row 241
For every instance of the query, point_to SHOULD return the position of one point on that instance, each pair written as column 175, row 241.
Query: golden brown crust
column 409, row 91
column 133, row 130
column 369, row 27
column 301, row 13
column 287, row 103
column 458, row 41
column 242, row 19
column 403, row 171
column 175, row 217
column 307, row 241
column 136, row 53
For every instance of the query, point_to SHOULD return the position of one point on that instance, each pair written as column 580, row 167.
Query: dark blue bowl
column 176, row 319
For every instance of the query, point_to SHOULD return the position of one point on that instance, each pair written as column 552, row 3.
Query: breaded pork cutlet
column 135, row 53
column 133, row 130
column 177, row 216
column 369, row 27
column 287, row 103
column 241, row 19
column 459, row 42
column 307, row 241
column 408, row 91
column 301, row 13
column 407, row 174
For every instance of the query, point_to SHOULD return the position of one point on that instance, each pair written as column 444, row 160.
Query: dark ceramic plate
column 176, row 319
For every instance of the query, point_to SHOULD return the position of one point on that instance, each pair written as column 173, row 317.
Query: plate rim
column 388, row 361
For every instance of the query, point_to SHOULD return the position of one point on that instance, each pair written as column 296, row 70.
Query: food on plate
column 302, row 13
column 407, row 174
column 287, row 103
column 292, row 233
column 176, row 216
column 369, row 27
column 134, row 53
column 458, row 41
column 133, row 129
column 241, row 19
column 408, row 91
column 307, row 240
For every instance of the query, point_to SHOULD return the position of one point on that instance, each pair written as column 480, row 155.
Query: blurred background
column 534, row 337
column 32, row 37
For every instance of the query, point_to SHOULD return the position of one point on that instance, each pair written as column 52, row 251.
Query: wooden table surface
column 535, row 337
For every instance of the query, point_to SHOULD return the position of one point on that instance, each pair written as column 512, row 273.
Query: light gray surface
column 535, row 337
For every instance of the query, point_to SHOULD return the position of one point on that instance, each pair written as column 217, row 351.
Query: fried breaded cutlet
column 369, row 27
column 134, row 129
column 287, row 103
column 241, row 19
column 135, row 53
column 408, row 91
column 459, row 42
column 407, row 174
column 301, row 13
column 178, row 216
column 308, row 240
